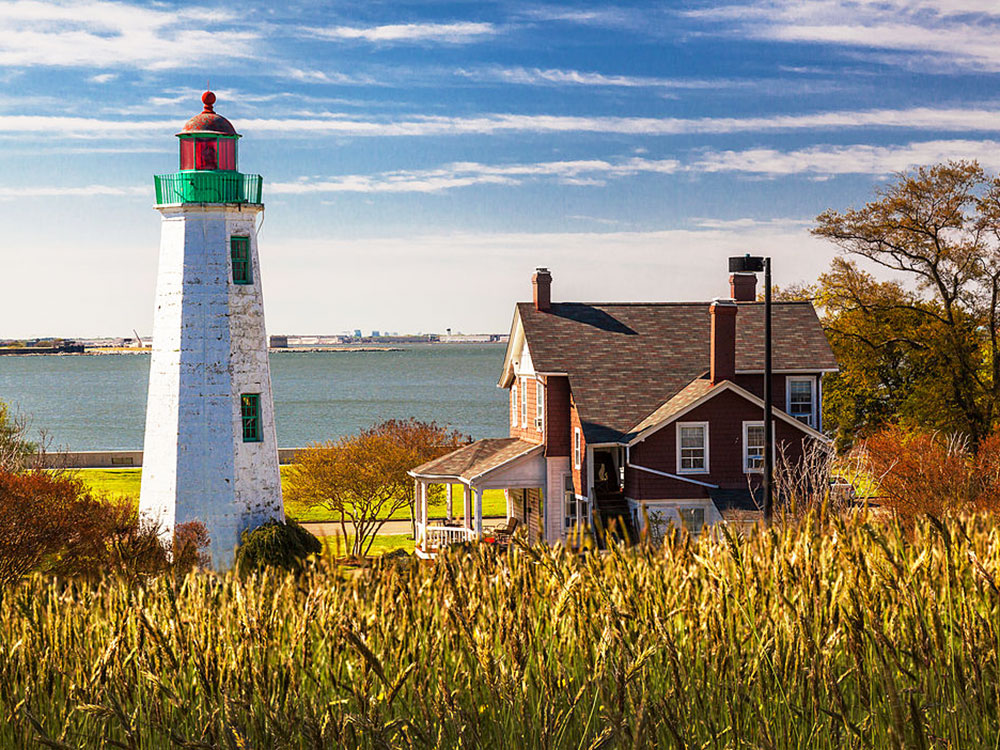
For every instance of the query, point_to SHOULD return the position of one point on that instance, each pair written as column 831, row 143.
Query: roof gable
column 701, row 391
column 626, row 360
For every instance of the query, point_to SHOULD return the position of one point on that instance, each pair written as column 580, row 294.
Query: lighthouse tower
column 210, row 452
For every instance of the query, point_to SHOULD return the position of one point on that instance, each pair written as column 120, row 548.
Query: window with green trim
column 239, row 248
column 250, row 412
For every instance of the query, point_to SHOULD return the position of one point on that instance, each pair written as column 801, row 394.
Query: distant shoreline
column 114, row 351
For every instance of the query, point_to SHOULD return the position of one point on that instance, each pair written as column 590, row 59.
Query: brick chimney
column 542, row 284
column 723, row 365
column 743, row 286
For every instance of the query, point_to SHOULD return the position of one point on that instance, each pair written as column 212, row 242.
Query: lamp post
column 753, row 264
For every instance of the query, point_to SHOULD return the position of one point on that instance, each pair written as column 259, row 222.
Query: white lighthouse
column 210, row 450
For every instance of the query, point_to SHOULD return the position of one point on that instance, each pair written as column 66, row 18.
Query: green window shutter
column 250, row 412
column 239, row 248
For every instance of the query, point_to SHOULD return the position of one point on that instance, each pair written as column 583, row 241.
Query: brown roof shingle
column 477, row 458
column 625, row 360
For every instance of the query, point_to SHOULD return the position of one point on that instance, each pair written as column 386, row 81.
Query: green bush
column 276, row 545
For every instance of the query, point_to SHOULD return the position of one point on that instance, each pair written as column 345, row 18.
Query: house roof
column 627, row 360
column 472, row 461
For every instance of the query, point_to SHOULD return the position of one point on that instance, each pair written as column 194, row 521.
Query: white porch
column 501, row 463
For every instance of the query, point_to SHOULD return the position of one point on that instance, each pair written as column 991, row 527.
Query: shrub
column 51, row 524
column 919, row 472
column 276, row 544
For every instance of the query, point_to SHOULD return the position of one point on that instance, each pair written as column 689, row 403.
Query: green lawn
column 383, row 543
column 126, row 482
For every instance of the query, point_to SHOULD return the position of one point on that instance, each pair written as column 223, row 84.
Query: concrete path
column 331, row 528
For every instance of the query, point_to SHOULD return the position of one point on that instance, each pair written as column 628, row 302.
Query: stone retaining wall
column 121, row 459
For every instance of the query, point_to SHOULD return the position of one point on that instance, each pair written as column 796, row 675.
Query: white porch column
column 467, row 505
column 423, row 505
column 506, row 498
column 450, row 488
column 479, row 513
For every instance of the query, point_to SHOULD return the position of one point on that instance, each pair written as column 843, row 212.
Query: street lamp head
column 746, row 263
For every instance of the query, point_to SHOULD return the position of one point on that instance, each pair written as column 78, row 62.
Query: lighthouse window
column 187, row 153
column 239, row 248
column 206, row 154
column 250, row 413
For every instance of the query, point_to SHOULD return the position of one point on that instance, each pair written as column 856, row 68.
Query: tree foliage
column 16, row 451
column 50, row 523
column 363, row 478
column 922, row 347
column 917, row 472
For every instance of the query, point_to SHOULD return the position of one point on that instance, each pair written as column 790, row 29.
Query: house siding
column 530, row 385
column 557, row 419
column 725, row 414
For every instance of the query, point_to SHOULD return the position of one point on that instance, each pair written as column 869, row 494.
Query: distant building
column 279, row 342
column 357, row 333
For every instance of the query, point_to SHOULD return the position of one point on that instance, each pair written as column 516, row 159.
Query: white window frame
column 513, row 403
column 705, row 469
column 577, row 448
column 539, row 404
column 811, row 380
column 747, row 469
column 524, row 401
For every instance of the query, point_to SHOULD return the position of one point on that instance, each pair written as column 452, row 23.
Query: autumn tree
column 16, row 451
column 362, row 479
column 923, row 348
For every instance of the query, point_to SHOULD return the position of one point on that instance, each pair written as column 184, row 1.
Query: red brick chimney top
column 743, row 286
column 541, row 283
column 723, row 364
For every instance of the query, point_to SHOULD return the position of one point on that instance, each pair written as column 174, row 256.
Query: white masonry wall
column 209, row 346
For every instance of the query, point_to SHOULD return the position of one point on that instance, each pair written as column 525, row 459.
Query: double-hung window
column 250, row 415
column 513, row 404
column 539, row 405
column 239, row 251
column 801, row 399
column 692, row 447
column 524, row 401
column 753, row 447
column 577, row 448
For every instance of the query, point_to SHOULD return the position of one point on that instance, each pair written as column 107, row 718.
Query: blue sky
column 420, row 159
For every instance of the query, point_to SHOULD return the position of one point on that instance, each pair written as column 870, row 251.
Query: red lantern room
column 208, row 140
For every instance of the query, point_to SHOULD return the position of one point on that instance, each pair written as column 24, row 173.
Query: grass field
column 126, row 482
column 810, row 635
column 383, row 543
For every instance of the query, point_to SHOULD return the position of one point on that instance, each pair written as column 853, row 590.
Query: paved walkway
column 331, row 528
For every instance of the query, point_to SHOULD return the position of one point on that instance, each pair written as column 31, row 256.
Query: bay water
column 99, row 402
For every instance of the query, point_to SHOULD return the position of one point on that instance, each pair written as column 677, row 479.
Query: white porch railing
column 436, row 537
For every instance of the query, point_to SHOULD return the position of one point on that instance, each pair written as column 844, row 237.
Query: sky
column 420, row 159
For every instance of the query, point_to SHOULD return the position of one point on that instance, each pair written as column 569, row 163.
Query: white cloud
column 84, row 191
column 466, row 174
column 963, row 33
column 451, row 33
column 102, row 34
column 103, row 78
column 855, row 159
column 554, row 76
column 917, row 118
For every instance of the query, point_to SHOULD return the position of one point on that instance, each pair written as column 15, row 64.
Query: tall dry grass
column 814, row 634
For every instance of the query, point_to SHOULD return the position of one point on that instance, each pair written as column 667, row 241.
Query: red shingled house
column 637, row 408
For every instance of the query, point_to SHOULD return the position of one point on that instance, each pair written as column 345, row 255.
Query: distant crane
column 137, row 337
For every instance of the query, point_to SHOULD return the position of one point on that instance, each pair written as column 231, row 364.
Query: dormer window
column 801, row 399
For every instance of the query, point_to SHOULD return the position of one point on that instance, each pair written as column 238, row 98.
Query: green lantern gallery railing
column 207, row 187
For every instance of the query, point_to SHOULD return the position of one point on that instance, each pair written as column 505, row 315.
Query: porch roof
column 474, row 461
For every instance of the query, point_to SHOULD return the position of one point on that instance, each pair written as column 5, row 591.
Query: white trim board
column 728, row 385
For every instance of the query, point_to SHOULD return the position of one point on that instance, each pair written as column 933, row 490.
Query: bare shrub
column 917, row 472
